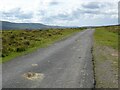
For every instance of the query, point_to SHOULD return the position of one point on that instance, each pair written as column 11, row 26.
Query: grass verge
column 106, row 57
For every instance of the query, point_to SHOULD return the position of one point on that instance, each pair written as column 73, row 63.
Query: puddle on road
column 33, row 76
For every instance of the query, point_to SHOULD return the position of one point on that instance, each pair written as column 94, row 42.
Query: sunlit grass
column 20, row 42
column 105, row 63
column 103, row 36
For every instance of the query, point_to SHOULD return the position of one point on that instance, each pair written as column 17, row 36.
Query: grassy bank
column 107, row 36
column 19, row 42
column 106, row 57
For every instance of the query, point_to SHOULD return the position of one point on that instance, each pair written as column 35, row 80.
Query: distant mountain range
column 30, row 26
column 23, row 26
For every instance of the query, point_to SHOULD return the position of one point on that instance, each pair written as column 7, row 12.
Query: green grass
column 105, row 44
column 20, row 42
column 106, row 37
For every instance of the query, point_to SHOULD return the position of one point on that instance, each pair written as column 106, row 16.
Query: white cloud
column 60, row 12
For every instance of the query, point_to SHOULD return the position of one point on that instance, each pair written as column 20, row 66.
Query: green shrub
column 12, row 36
column 20, row 49
column 27, row 43
column 5, row 52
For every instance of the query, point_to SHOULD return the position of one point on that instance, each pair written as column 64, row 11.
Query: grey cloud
column 95, row 8
column 96, row 5
column 24, row 16
column 54, row 3
column 17, row 13
column 74, row 15
column 92, row 8
column 64, row 16
column 92, row 12
column 60, row 16
column 41, row 12
column 11, row 13
column 91, row 5
column 85, row 11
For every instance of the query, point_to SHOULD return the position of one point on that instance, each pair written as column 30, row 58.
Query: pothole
column 33, row 76
column 79, row 57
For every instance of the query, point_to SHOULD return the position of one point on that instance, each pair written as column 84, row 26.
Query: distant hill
column 23, row 26
column 30, row 26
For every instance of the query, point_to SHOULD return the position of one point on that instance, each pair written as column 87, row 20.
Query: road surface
column 65, row 64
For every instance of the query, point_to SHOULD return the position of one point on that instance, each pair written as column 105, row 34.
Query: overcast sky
column 60, row 12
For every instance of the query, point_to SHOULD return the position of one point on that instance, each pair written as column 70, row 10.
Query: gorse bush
column 20, row 49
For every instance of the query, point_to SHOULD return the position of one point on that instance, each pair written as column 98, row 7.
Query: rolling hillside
column 23, row 26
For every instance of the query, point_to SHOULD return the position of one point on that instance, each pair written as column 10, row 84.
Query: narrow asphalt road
column 65, row 64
